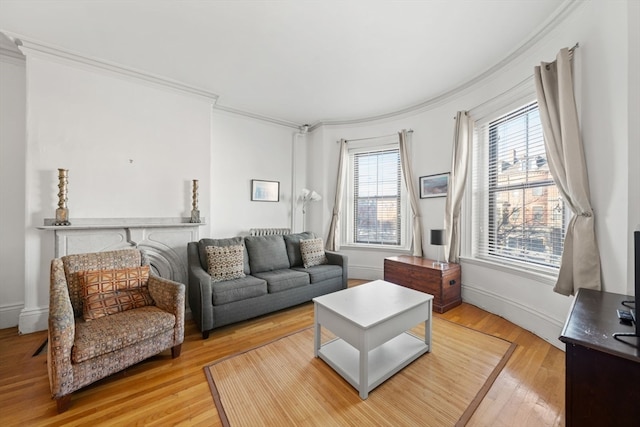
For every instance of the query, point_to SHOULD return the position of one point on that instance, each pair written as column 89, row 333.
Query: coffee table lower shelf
column 383, row 361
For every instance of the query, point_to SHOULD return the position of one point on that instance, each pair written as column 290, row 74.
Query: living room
column 133, row 143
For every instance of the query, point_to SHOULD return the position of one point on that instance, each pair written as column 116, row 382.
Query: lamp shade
column 437, row 237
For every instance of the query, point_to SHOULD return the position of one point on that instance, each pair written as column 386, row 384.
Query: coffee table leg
column 427, row 327
column 316, row 333
column 364, row 370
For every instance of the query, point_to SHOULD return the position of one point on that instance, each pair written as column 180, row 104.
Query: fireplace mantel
column 100, row 223
column 164, row 240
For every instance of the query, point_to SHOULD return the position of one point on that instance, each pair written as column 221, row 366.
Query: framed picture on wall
column 434, row 185
column 265, row 191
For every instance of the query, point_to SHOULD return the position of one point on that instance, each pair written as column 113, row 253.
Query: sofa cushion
column 238, row 289
column 320, row 273
column 266, row 253
column 115, row 332
column 281, row 280
column 106, row 292
column 231, row 241
column 225, row 262
column 292, row 242
column 312, row 252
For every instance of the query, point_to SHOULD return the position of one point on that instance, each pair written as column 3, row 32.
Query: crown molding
column 257, row 116
column 10, row 57
column 8, row 53
column 561, row 13
column 31, row 47
column 27, row 46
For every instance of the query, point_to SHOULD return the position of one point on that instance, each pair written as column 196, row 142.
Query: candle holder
column 62, row 213
column 195, row 212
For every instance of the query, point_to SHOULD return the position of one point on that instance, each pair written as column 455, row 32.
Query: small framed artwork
column 265, row 191
column 434, row 185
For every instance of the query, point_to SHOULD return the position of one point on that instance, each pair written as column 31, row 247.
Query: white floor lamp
column 307, row 196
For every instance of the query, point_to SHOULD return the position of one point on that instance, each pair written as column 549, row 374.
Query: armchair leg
column 63, row 403
column 205, row 335
column 175, row 351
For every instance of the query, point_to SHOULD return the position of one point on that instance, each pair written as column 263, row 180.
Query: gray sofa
column 275, row 279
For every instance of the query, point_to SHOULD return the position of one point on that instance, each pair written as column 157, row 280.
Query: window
column 375, row 197
column 518, row 214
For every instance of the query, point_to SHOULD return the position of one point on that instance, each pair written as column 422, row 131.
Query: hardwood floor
column 164, row 391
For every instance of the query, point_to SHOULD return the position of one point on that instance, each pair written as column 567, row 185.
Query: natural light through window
column 519, row 215
column 375, row 197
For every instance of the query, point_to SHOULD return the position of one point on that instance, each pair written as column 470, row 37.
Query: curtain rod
column 373, row 137
column 522, row 83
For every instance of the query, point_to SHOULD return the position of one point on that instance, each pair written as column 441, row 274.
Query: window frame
column 348, row 202
column 473, row 204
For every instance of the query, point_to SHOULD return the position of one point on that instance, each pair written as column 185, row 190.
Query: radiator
column 269, row 231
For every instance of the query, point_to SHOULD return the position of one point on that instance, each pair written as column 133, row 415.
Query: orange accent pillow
column 106, row 292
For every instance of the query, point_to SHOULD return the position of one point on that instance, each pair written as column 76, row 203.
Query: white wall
column 132, row 148
column 244, row 149
column 94, row 122
column 603, row 72
column 12, row 187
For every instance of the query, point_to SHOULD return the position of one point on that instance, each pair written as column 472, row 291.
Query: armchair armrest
column 61, row 333
column 170, row 297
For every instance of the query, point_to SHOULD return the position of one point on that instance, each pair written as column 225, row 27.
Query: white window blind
column 377, row 197
column 518, row 214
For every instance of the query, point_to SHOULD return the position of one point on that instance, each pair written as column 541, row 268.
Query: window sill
column 375, row 248
column 539, row 275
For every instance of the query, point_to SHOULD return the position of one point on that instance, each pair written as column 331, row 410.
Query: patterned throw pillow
column 312, row 251
column 106, row 292
column 225, row 262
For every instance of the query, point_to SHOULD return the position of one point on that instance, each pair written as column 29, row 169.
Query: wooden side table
column 443, row 282
column 602, row 373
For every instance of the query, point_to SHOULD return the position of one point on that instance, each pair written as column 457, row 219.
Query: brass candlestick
column 195, row 213
column 62, row 213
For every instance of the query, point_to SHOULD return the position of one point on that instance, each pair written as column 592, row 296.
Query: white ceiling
column 296, row 61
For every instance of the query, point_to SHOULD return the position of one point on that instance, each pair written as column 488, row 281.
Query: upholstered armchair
column 106, row 313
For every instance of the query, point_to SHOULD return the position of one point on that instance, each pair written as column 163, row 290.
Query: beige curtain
column 457, row 182
column 580, row 262
column 408, row 179
column 333, row 239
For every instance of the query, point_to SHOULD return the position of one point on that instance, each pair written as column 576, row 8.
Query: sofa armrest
column 200, row 292
column 169, row 296
column 336, row 258
column 62, row 329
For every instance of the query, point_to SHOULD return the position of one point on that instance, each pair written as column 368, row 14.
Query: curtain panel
column 580, row 262
column 457, row 183
column 333, row 238
column 408, row 179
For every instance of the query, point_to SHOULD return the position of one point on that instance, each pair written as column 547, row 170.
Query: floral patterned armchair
column 106, row 313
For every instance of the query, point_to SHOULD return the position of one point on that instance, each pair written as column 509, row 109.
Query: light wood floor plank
column 163, row 391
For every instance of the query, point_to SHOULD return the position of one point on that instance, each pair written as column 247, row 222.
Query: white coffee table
column 371, row 322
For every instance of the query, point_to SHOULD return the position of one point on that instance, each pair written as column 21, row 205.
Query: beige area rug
column 281, row 383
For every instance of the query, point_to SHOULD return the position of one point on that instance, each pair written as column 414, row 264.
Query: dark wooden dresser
column 420, row 274
column 602, row 373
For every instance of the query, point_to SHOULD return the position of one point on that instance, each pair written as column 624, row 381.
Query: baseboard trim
column 365, row 273
column 536, row 322
column 33, row 320
column 10, row 315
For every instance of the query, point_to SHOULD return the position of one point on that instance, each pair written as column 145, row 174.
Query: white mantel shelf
column 107, row 223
